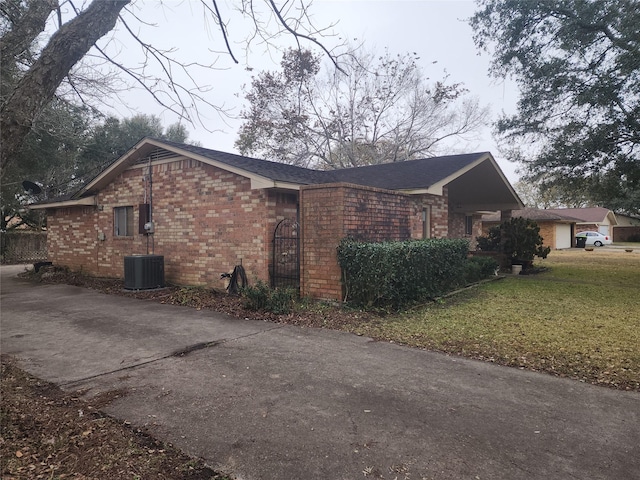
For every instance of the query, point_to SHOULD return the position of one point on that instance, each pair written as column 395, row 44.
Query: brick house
column 213, row 210
column 556, row 229
column 596, row 219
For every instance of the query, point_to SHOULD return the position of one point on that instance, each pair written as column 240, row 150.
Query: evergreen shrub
column 397, row 274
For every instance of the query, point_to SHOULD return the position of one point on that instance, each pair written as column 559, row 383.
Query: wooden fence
column 626, row 234
column 23, row 247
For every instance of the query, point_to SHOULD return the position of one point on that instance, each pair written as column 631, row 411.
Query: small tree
column 518, row 239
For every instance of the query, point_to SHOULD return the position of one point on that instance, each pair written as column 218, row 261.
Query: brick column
column 322, row 225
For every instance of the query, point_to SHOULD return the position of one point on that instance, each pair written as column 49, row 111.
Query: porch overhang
column 482, row 187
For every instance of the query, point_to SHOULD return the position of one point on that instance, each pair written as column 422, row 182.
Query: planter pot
column 516, row 269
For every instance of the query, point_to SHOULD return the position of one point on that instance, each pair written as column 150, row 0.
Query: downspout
column 149, row 225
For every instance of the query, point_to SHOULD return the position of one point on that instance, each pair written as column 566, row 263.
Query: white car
column 595, row 238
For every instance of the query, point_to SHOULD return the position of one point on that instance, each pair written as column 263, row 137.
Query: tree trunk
column 26, row 28
column 65, row 48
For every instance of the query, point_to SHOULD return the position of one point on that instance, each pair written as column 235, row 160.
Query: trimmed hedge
column 397, row 274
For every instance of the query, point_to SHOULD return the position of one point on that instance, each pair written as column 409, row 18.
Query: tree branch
column 65, row 48
column 223, row 29
column 297, row 35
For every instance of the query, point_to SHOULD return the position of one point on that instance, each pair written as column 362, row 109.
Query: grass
column 580, row 319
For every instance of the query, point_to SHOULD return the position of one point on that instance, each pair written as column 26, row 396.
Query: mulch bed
column 49, row 434
column 316, row 315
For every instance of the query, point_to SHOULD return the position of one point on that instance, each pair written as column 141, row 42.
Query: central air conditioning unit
column 143, row 272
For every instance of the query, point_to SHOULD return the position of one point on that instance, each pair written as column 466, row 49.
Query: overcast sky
column 436, row 30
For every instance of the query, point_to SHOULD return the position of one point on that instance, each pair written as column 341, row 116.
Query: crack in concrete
column 175, row 354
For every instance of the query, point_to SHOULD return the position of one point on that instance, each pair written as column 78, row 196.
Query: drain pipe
column 149, row 227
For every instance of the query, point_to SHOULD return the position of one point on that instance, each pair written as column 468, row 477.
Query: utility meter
column 149, row 228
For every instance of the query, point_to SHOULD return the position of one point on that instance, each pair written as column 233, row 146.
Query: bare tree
column 39, row 77
column 383, row 110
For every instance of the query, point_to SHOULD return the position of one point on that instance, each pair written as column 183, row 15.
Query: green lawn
column 581, row 319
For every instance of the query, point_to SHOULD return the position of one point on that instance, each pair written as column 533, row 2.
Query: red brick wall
column 329, row 213
column 72, row 238
column 207, row 221
column 322, row 220
column 586, row 227
column 439, row 214
column 457, row 227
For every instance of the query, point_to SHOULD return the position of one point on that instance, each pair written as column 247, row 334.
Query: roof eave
column 257, row 181
column 76, row 202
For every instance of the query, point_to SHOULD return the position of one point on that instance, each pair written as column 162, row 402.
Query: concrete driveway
column 268, row 401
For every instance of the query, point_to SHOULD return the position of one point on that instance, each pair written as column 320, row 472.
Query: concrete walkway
column 268, row 401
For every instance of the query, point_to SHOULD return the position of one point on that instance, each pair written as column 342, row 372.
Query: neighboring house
column 627, row 229
column 213, row 210
column 557, row 230
column 596, row 219
column 627, row 221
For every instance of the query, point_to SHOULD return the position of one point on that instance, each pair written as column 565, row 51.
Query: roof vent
column 157, row 154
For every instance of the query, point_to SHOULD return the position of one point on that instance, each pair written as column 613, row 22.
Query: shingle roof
column 590, row 214
column 274, row 170
column 410, row 174
column 393, row 176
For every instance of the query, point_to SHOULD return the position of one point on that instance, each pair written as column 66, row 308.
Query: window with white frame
column 123, row 221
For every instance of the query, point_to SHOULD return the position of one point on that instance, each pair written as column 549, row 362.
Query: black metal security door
column 285, row 271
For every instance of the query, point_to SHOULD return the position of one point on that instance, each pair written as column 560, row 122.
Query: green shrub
column 472, row 271
column 262, row 297
column 396, row 274
column 281, row 301
column 518, row 238
column 478, row 268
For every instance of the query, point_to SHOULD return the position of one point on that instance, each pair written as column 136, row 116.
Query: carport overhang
column 480, row 187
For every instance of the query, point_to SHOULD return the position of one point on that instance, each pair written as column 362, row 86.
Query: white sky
column 435, row 30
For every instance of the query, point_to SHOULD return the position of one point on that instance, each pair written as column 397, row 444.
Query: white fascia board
column 80, row 202
column 433, row 190
column 438, row 188
column 117, row 166
column 258, row 182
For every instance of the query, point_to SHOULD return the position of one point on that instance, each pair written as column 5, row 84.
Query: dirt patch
column 47, row 433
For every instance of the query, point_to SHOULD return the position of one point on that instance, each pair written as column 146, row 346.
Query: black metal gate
column 285, row 267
